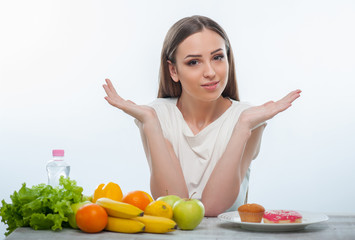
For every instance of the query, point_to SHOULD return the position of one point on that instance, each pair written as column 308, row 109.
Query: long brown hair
column 178, row 33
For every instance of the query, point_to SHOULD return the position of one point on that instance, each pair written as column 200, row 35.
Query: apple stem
column 167, row 193
column 192, row 195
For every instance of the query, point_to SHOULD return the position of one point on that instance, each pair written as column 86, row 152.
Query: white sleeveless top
column 198, row 154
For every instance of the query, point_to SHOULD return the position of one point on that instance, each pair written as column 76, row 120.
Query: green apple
column 169, row 199
column 75, row 207
column 188, row 213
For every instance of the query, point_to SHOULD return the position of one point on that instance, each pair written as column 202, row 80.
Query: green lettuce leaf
column 41, row 206
column 40, row 221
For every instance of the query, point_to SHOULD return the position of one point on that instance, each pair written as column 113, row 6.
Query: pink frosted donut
column 282, row 216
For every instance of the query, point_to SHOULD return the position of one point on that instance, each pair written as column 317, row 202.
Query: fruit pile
column 134, row 212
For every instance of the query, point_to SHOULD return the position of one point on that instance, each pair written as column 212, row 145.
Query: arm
column 223, row 185
column 166, row 173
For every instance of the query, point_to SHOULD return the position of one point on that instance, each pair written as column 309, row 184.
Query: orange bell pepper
column 110, row 190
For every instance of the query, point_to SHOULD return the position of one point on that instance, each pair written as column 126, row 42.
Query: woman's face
column 201, row 66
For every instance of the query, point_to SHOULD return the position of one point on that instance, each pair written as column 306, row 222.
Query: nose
column 209, row 71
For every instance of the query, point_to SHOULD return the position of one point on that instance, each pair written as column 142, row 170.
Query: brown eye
column 192, row 62
column 218, row 57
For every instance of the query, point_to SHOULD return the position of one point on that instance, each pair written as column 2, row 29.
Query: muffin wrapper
column 251, row 217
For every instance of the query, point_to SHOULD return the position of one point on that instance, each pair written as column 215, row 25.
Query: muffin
column 251, row 212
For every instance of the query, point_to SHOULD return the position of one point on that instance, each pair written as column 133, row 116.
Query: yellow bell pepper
column 110, row 190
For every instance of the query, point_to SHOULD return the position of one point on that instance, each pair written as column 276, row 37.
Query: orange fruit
column 160, row 209
column 150, row 197
column 91, row 218
column 137, row 198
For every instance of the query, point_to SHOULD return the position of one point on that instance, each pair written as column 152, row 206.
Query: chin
column 211, row 98
column 214, row 95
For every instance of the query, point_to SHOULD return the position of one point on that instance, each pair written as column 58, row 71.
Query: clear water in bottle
column 57, row 167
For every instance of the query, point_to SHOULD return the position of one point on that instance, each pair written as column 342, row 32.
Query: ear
column 173, row 71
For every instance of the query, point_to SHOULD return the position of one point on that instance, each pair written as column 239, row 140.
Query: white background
column 55, row 55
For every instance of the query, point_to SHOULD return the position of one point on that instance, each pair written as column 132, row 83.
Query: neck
column 199, row 114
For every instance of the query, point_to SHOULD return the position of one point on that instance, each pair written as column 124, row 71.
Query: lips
column 210, row 85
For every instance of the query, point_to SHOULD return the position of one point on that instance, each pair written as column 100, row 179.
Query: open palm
column 140, row 112
column 258, row 114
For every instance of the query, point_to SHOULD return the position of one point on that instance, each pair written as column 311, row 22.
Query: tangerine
column 91, row 218
column 150, row 197
column 137, row 198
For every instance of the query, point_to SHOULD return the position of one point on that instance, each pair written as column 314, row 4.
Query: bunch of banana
column 126, row 218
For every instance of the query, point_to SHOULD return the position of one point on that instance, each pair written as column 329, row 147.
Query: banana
column 119, row 209
column 154, row 224
column 124, row 225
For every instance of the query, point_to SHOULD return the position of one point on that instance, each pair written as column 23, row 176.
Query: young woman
column 198, row 137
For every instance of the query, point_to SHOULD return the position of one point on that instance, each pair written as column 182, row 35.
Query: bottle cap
column 58, row 152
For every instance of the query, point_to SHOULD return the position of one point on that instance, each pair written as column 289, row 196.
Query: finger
column 110, row 86
column 273, row 108
column 286, row 102
column 292, row 96
column 107, row 89
column 109, row 92
column 283, row 106
column 106, row 86
column 112, row 93
column 110, row 101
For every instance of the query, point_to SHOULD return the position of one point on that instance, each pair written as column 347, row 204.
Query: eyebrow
column 213, row 52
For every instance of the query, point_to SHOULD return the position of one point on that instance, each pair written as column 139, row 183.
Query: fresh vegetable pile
column 45, row 207
column 41, row 206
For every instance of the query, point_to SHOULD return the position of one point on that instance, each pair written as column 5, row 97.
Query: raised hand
column 258, row 114
column 140, row 112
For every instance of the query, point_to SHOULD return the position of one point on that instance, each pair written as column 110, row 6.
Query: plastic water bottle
column 57, row 167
